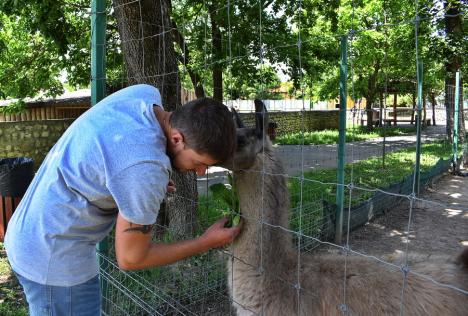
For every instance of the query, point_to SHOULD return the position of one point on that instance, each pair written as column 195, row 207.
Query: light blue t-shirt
column 111, row 159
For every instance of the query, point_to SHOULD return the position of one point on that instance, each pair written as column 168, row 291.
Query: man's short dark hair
column 207, row 126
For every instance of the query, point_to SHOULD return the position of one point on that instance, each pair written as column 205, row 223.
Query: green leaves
column 27, row 61
column 44, row 44
column 15, row 107
column 41, row 41
column 227, row 194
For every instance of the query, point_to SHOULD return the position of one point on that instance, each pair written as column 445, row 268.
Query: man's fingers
column 171, row 186
column 222, row 221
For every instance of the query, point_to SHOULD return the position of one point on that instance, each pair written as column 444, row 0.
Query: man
column 112, row 166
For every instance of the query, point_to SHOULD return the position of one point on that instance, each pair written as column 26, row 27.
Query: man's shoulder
column 138, row 92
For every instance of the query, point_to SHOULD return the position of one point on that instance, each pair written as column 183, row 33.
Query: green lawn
column 12, row 301
column 319, row 186
column 358, row 133
column 370, row 173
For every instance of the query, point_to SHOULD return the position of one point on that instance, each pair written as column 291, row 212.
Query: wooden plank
column 72, row 107
column 7, row 211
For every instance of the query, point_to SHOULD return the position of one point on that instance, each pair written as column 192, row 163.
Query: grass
column 358, row 133
column 198, row 277
column 319, row 188
column 12, row 301
column 370, row 173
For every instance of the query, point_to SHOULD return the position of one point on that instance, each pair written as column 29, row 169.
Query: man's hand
column 135, row 250
column 217, row 235
column 171, row 187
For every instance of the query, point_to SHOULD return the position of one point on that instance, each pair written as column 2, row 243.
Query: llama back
column 375, row 289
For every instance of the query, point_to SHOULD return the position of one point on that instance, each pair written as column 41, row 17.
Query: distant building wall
column 293, row 122
column 34, row 139
column 31, row 139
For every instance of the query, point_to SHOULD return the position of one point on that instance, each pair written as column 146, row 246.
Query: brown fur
column 267, row 276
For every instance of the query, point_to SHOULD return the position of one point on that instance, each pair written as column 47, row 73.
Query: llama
column 265, row 276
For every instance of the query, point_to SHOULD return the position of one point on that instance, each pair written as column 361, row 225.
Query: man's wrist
column 204, row 243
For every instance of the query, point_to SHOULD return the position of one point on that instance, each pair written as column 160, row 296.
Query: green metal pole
column 98, row 92
column 418, row 129
column 98, row 51
column 342, row 140
column 455, row 121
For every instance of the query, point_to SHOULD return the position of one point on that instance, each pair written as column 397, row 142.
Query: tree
column 41, row 41
column 226, row 44
column 22, row 58
column 149, row 54
column 454, row 50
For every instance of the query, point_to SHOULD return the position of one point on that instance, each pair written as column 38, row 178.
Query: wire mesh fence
column 390, row 154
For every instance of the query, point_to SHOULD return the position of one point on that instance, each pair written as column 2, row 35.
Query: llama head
column 250, row 141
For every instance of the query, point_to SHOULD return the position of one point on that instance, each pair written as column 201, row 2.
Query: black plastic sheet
column 15, row 175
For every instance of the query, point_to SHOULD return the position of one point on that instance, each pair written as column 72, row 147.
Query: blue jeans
column 78, row 300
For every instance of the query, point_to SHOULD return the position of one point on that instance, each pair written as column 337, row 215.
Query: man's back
column 95, row 168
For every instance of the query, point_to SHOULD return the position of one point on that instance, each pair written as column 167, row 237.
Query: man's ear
column 176, row 137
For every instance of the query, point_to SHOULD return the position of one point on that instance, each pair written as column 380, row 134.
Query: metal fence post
column 417, row 166
column 98, row 50
column 342, row 140
column 98, row 92
column 455, row 121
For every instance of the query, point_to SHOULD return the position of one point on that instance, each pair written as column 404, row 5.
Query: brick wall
column 34, row 139
column 293, row 122
column 30, row 138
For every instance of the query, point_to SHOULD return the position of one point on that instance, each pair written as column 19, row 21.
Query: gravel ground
column 438, row 226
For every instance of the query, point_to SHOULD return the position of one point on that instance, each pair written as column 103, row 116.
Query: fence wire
column 379, row 172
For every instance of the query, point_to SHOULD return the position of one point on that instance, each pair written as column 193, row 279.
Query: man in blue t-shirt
column 112, row 166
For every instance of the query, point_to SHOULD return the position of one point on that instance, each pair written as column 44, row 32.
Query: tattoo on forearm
column 145, row 229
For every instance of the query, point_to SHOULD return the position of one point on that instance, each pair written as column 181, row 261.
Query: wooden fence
column 63, row 108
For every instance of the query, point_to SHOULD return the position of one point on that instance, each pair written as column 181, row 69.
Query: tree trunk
column 454, row 31
column 424, row 110
column 185, row 59
column 371, row 92
column 395, row 101
column 149, row 55
column 433, row 101
column 381, row 109
column 414, row 107
column 218, row 57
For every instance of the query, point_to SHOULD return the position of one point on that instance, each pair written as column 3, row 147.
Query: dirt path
column 439, row 224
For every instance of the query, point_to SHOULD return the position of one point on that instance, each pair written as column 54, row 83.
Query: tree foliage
column 44, row 43
column 237, row 46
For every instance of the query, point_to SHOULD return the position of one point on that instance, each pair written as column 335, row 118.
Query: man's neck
column 163, row 118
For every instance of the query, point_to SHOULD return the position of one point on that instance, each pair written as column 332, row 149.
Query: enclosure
column 367, row 106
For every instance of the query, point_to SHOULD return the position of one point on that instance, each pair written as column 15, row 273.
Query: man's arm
column 135, row 250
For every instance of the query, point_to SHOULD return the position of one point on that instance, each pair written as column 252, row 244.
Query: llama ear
column 237, row 119
column 261, row 117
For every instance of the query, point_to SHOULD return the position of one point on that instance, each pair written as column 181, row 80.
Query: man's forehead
column 205, row 159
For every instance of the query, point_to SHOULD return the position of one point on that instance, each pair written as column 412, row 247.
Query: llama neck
column 264, row 203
